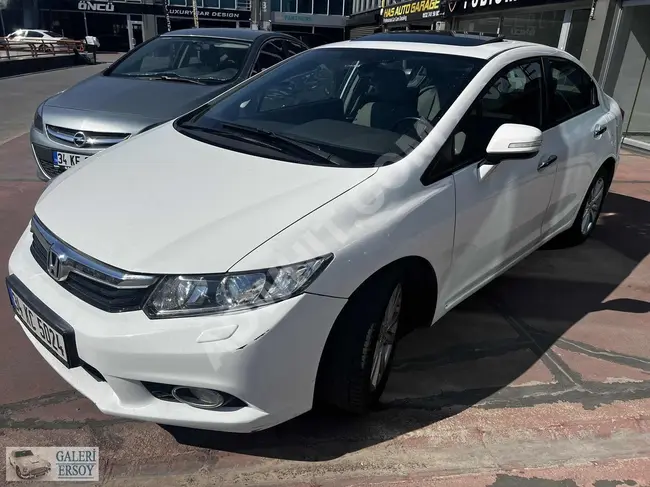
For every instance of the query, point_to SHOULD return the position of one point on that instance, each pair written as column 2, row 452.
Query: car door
column 500, row 208
column 579, row 130
column 271, row 53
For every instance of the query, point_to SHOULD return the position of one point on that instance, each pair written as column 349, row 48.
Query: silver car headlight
column 178, row 296
column 38, row 118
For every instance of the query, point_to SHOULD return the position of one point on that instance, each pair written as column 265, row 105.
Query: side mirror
column 513, row 141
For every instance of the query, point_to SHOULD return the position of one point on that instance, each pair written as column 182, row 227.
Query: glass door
column 136, row 33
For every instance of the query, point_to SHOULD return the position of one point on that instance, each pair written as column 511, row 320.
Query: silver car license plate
column 65, row 159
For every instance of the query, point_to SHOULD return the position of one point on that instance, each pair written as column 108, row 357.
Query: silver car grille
column 84, row 138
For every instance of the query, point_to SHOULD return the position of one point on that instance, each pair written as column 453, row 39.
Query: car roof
column 453, row 43
column 225, row 33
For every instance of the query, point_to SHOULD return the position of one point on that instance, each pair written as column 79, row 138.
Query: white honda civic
column 265, row 252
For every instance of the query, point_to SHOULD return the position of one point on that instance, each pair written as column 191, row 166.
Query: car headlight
column 38, row 118
column 177, row 296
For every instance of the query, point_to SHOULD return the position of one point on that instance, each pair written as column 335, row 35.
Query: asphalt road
column 540, row 380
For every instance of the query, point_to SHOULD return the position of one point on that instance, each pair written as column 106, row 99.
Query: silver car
column 159, row 80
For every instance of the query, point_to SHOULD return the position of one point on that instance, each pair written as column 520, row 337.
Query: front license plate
column 65, row 159
column 48, row 336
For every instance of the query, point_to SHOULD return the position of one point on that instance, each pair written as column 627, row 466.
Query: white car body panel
column 179, row 206
column 215, row 220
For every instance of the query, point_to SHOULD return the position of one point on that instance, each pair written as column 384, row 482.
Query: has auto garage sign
column 410, row 11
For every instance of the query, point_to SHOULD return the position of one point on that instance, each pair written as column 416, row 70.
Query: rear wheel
column 359, row 352
column 589, row 212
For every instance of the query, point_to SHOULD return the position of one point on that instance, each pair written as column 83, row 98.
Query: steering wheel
column 421, row 120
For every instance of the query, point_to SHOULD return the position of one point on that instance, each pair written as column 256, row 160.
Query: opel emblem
column 56, row 263
column 79, row 139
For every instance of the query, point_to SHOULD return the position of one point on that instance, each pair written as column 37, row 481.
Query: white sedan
column 265, row 252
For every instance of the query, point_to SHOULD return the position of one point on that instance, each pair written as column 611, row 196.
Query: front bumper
column 268, row 357
column 42, row 148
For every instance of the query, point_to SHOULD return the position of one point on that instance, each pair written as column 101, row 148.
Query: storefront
column 414, row 15
column 182, row 17
column 561, row 24
column 626, row 73
column 331, row 27
column 117, row 25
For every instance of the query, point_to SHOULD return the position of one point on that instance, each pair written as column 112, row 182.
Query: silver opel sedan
column 159, row 80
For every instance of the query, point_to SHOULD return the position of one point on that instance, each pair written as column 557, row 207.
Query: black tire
column 20, row 475
column 344, row 372
column 575, row 235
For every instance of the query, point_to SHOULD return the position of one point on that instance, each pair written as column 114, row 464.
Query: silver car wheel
column 592, row 208
column 386, row 337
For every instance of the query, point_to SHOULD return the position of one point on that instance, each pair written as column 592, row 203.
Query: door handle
column 598, row 131
column 546, row 162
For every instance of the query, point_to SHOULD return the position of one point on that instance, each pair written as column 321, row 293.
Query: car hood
column 157, row 100
column 165, row 203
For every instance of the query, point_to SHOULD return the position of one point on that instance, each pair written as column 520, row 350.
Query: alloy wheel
column 592, row 208
column 386, row 337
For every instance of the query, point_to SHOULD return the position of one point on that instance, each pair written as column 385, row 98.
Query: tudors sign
column 412, row 11
column 462, row 7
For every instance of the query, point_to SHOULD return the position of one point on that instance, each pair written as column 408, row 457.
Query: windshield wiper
column 166, row 77
column 312, row 149
column 228, row 134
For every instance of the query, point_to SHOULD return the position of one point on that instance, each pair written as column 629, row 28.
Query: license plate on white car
column 65, row 159
column 52, row 337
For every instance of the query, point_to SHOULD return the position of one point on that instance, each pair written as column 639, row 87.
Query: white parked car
column 265, row 252
column 34, row 35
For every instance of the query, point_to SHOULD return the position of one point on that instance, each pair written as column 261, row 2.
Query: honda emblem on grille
column 57, row 266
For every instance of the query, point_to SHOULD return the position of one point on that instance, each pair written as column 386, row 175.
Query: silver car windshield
column 353, row 106
column 205, row 59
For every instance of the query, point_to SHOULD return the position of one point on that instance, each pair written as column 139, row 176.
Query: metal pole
column 169, row 22
column 195, row 13
column 2, row 24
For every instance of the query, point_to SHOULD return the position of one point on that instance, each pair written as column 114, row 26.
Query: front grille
column 103, row 296
column 93, row 140
column 50, row 169
column 37, row 472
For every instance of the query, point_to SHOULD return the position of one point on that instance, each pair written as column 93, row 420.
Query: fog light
column 198, row 397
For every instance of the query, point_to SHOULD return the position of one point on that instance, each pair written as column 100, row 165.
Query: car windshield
column 202, row 59
column 23, row 453
column 353, row 106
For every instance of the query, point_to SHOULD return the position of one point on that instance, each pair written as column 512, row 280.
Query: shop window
column 179, row 3
column 289, row 6
column 336, row 7
column 347, row 7
column 571, row 91
column 515, row 96
column 577, row 31
column 275, row 5
column 228, row 4
column 489, row 25
column 320, row 6
column 304, row 6
column 539, row 27
column 212, row 3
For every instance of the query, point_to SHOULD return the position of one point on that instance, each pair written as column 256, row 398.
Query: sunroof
column 434, row 37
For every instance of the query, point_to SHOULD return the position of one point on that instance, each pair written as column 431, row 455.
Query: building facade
column 326, row 18
column 623, row 67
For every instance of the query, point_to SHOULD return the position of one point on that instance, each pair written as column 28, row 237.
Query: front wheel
column 359, row 352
